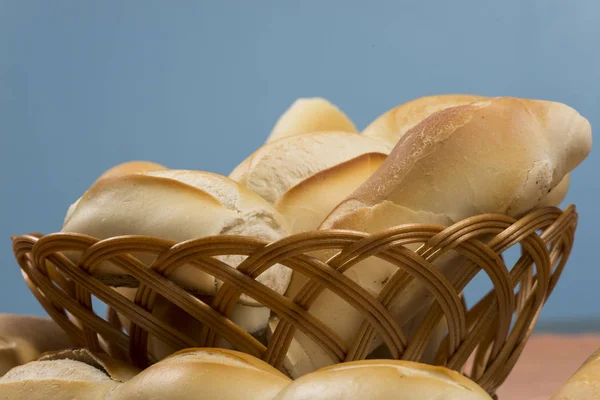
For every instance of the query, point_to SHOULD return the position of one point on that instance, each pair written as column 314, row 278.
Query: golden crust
column 205, row 374
column 228, row 355
column 133, row 180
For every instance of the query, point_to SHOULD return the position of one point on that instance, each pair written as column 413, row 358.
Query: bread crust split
column 76, row 374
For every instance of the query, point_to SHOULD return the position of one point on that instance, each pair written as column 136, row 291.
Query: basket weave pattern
column 490, row 335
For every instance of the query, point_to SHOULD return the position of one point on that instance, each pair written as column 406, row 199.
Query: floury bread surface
column 65, row 375
column 393, row 124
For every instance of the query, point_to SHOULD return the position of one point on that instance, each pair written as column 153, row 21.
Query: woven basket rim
column 485, row 331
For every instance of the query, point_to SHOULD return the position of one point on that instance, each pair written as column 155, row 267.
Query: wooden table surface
column 546, row 364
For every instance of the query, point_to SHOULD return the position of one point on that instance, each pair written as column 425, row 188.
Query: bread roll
column 205, row 374
column 584, row 384
column 383, row 380
column 72, row 374
column 178, row 206
column 23, row 338
column 130, row 167
column 310, row 115
column 501, row 155
column 392, row 125
column 278, row 166
column 182, row 205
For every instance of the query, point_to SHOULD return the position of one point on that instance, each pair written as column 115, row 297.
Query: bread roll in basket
column 329, row 246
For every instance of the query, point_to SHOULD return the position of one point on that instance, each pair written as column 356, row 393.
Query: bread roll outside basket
column 483, row 340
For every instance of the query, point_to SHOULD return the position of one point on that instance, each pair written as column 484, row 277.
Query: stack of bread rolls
column 498, row 155
column 209, row 374
column 434, row 160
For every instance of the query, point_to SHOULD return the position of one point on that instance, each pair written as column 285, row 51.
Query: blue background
column 85, row 85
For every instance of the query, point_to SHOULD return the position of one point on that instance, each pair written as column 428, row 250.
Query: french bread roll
column 24, row 338
column 178, row 206
column 393, row 124
column 310, row 115
column 383, row 380
column 280, row 165
column 69, row 374
column 500, row 155
column 205, row 374
column 584, row 384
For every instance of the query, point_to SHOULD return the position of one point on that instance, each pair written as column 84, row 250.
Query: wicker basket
column 489, row 336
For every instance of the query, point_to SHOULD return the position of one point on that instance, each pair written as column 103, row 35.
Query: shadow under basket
column 482, row 341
